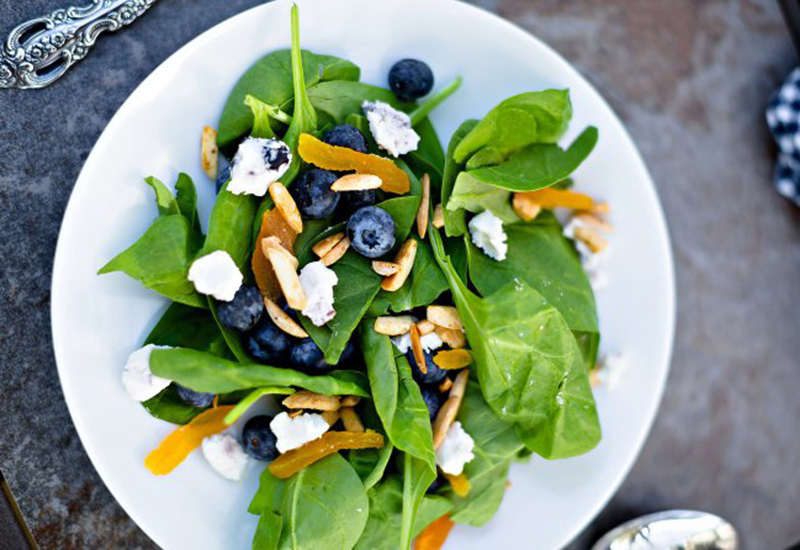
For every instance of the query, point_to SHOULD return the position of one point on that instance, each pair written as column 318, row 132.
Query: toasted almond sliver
column 295, row 413
column 438, row 216
column 425, row 327
column 594, row 241
column 285, row 204
column 305, row 399
column 525, row 208
column 445, row 385
column 288, row 279
column 350, row 419
column 327, row 244
column 384, row 269
column 405, row 258
column 445, row 316
column 356, row 182
column 449, row 410
column 393, row 326
column 595, row 222
column 601, row 207
column 453, row 338
column 282, row 319
column 416, row 348
column 331, row 417
column 209, row 152
column 350, row 400
column 424, row 206
column 275, row 243
column 336, row 253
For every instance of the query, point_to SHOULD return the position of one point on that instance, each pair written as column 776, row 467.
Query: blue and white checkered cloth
column 783, row 118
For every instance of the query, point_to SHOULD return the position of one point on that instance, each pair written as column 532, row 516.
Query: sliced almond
column 289, row 281
column 449, row 410
column 438, row 216
column 356, row 182
column 424, row 206
column 595, row 222
column 601, row 207
column 385, row 269
column 305, row 399
column 327, row 244
column 525, row 208
column 425, row 327
column 350, row 400
column 445, row 385
column 459, row 385
column 209, row 152
column 416, row 348
column 285, row 204
column 445, row 316
column 591, row 239
column 282, row 319
column 453, row 338
column 331, row 417
column 275, row 243
column 393, row 326
column 336, row 253
column 295, row 413
column 405, row 259
column 350, row 419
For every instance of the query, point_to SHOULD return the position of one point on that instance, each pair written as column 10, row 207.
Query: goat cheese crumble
column 391, row 128
column 612, row 369
column 455, row 450
column 140, row 383
column 257, row 164
column 217, row 275
column 296, row 432
column 592, row 261
column 225, row 455
column 430, row 342
column 318, row 281
column 487, row 233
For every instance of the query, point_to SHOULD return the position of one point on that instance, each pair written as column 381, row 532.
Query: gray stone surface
column 690, row 79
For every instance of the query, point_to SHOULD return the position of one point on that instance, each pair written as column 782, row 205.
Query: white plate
column 98, row 321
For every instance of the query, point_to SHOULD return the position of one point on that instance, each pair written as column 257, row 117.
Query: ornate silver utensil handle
column 40, row 51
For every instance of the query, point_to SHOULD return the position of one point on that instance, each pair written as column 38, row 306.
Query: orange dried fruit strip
column 340, row 159
column 553, row 198
column 177, row 445
column 434, row 535
column 452, row 359
column 272, row 225
column 295, row 460
column 459, row 483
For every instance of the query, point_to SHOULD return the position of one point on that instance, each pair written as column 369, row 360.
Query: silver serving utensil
column 40, row 51
column 672, row 530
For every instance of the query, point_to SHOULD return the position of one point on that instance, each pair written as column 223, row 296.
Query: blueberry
column 348, row 136
column 313, row 195
column 432, row 401
column 410, row 79
column 353, row 200
column 258, row 440
column 371, row 231
column 244, row 311
column 268, row 343
column 434, row 374
column 307, row 357
column 223, row 174
column 276, row 154
column 195, row 398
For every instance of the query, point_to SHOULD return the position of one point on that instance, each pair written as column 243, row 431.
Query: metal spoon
column 672, row 530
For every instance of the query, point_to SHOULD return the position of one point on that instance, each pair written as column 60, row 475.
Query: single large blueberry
column 258, row 440
column 348, row 136
column 434, row 374
column 313, row 195
column 371, row 231
column 432, row 401
column 307, row 357
column 268, row 343
column 244, row 311
column 410, row 79
column 195, row 398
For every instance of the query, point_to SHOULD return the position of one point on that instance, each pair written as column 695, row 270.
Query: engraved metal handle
column 40, row 51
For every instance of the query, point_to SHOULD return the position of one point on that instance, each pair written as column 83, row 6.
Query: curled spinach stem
column 420, row 113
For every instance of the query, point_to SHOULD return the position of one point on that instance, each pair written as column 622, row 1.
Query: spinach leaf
column 322, row 507
column 169, row 406
column 249, row 400
column 421, row 112
column 403, row 211
column 473, row 195
column 429, row 156
column 230, row 227
column 232, row 338
column 530, row 368
column 262, row 117
column 454, row 220
column 186, row 198
column 589, row 344
column 268, row 531
column 204, row 372
column 531, row 117
column 313, row 232
column 161, row 258
column 417, row 477
column 340, row 98
column 167, row 205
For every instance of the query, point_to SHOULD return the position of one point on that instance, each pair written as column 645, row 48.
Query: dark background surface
column 690, row 79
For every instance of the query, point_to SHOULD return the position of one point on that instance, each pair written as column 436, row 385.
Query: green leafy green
column 417, row 477
column 262, row 117
column 341, row 98
column 475, row 196
column 232, row 338
column 403, row 211
column 230, row 227
column 429, row 156
column 589, row 344
column 250, row 399
column 421, row 113
column 161, row 258
column 169, row 406
column 167, row 205
column 186, row 197
column 204, row 372
column 454, row 220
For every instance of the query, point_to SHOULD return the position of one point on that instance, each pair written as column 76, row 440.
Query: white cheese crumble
column 391, row 128
column 216, row 274
column 487, row 234
column 592, row 262
column 318, row 281
column 225, row 455
column 455, row 450
column 251, row 173
column 611, row 369
column 430, row 342
column 140, row 383
column 296, row 432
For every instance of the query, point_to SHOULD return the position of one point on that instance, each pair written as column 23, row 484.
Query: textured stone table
column 689, row 78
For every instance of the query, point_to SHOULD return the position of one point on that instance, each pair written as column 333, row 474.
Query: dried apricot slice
column 452, row 359
column 552, row 198
column 459, row 483
column 177, row 445
column 295, row 460
column 272, row 225
column 434, row 535
column 340, row 159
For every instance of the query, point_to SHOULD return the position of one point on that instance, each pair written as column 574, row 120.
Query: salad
column 419, row 318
